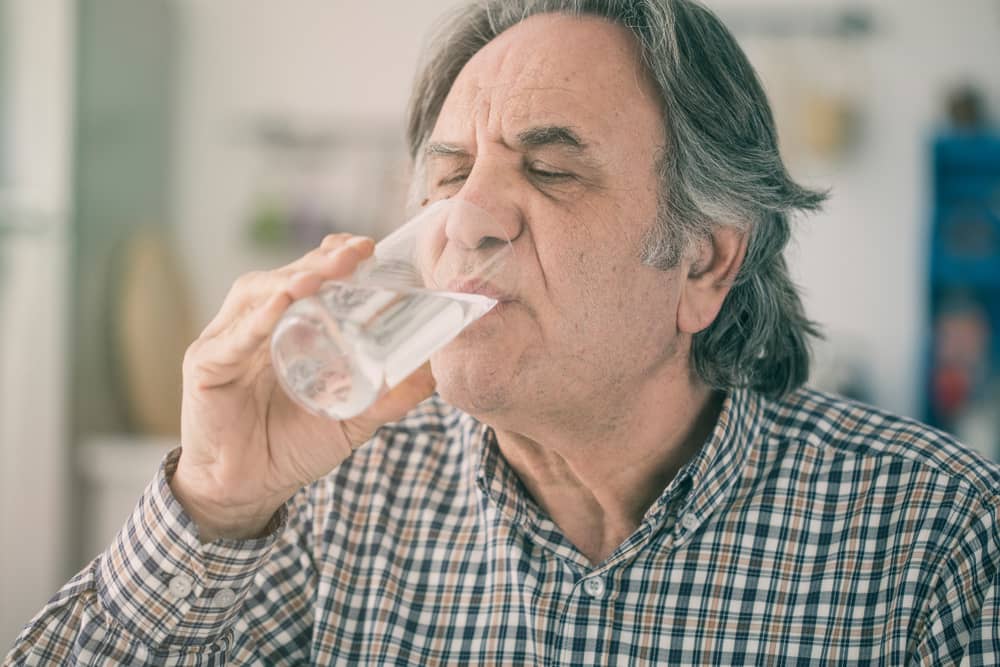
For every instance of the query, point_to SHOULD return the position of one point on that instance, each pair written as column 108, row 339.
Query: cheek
column 629, row 307
column 589, row 257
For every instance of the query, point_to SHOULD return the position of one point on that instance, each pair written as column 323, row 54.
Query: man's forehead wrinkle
column 503, row 102
column 524, row 92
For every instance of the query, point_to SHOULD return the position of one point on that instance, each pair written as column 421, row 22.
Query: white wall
column 861, row 263
column 39, row 99
column 33, row 378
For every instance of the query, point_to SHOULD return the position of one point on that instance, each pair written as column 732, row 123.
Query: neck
column 597, row 474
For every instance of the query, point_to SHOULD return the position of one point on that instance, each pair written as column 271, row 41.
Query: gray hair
column 720, row 166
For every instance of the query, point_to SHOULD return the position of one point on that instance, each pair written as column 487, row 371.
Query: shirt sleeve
column 159, row 596
column 963, row 626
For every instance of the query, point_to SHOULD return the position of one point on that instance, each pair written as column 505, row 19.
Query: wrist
column 220, row 520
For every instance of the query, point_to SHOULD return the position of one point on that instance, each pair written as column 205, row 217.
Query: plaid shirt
column 806, row 531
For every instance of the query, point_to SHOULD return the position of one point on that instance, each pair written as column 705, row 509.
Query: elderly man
column 620, row 465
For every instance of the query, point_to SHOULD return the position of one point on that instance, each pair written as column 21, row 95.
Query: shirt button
column 180, row 586
column 689, row 521
column 224, row 598
column 595, row 587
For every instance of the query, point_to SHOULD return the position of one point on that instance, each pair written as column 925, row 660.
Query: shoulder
column 843, row 428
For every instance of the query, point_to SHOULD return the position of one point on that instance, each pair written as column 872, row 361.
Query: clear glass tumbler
column 336, row 352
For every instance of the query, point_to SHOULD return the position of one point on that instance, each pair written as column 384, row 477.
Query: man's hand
column 246, row 446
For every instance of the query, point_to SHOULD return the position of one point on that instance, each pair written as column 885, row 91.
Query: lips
column 480, row 287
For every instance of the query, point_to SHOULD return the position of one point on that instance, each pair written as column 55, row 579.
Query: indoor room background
column 153, row 150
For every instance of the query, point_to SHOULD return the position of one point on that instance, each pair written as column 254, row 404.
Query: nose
column 471, row 227
column 488, row 209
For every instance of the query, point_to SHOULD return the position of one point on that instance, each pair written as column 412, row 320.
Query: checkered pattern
column 806, row 531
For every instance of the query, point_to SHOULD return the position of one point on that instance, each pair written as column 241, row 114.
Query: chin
column 471, row 381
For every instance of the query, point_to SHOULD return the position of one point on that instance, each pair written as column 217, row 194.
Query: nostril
column 489, row 243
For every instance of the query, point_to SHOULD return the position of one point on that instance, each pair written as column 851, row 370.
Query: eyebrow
column 441, row 149
column 551, row 135
column 534, row 137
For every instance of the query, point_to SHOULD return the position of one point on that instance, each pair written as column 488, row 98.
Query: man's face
column 554, row 129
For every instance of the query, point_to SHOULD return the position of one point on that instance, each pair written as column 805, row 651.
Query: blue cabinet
column 963, row 353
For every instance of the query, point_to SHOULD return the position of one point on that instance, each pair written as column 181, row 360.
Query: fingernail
column 359, row 241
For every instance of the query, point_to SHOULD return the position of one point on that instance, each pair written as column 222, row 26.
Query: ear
column 711, row 268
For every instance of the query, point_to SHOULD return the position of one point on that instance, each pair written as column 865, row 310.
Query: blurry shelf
column 122, row 459
column 113, row 471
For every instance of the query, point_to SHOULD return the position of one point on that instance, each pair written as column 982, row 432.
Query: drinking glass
column 337, row 352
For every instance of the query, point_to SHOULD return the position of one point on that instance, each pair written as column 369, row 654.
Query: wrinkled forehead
column 553, row 68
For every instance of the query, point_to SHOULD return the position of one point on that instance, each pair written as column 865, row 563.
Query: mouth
column 482, row 288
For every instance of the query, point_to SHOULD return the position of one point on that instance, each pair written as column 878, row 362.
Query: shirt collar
column 497, row 479
column 710, row 475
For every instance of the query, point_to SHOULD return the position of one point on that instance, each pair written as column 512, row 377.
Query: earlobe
column 713, row 267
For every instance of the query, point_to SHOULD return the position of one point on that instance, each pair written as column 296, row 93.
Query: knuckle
column 191, row 357
column 307, row 260
column 333, row 240
column 314, row 255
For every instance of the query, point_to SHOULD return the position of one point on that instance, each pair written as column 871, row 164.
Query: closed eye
column 450, row 180
column 538, row 172
column 548, row 174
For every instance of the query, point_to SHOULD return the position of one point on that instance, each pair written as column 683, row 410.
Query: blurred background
column 153, row 150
